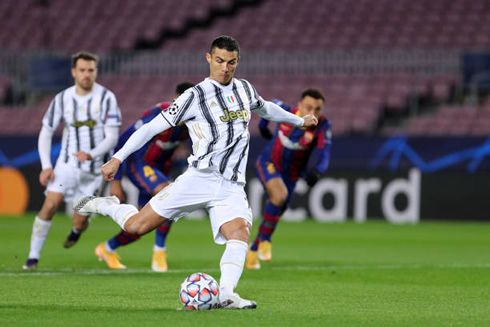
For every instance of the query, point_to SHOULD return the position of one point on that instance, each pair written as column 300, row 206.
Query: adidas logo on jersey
column 234, row 115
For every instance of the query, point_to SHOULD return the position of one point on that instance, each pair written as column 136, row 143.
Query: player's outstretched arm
column 141, row 136
column 273, row 112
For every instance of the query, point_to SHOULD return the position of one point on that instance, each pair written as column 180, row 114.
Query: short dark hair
column 314, row 93
column 225, row 42
column 181, row 87
column 85, row 55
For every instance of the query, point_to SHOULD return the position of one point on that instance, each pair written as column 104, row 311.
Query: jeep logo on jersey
column 172, row 110
column 234, row 115
column 90, row 123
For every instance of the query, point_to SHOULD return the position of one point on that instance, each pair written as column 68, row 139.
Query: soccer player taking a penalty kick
column 216, row 113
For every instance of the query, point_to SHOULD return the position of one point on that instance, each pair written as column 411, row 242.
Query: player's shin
column 40, row 231
column 231, row 264
column 120, row 213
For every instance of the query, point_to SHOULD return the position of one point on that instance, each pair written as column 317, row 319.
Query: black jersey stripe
column 223, row 106
column 62, row 103
column 230, row 151
column 103, row 111
column 65, row 150
column 77, row 136
column 212, row 124
column 252, row 94
column 226, row 157
column 247, row 90
column 234, row 177
column 240, row 104
column 51, row 111
column 185, row 107
column 108, row 109
column 171, row 124
column 91, row 134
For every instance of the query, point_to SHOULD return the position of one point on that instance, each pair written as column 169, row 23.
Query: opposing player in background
column 91, row 119
column 216, row 113
column 148, row 169
column 283, row 161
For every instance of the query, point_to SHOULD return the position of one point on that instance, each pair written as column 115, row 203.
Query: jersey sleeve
column 54, row 114
column 110, row 110
column 256, row 100
column 263, row 123
column 181, row 108
column 324, row 145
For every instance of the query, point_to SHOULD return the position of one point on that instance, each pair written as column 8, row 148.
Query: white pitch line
column 65, row 271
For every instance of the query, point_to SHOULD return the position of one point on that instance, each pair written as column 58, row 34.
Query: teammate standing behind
column 148, row 169
column 216, row 113
column 91, row 119
column 283, row 161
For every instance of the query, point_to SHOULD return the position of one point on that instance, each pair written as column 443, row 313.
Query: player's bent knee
column 237, row 229
column 278, row 198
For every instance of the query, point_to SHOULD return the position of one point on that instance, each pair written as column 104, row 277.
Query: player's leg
column 80, row 224
column 125, row 215
column 159, row 257
column 149, row 182
column 276, row 195
column 233, row 231
column 177, row 200
column 84, row 183
column 106, row 251
column 41, row 227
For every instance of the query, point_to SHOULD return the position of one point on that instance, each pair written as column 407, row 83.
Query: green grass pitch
column 372, row 274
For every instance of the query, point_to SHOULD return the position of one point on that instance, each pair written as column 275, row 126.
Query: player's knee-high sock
column 161, row 235
column 120, row 213
column 231, row 264
column 272, row 213
column 121, row 239
column 40, row 231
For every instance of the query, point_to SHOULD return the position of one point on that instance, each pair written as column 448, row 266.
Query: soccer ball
column 199, row 291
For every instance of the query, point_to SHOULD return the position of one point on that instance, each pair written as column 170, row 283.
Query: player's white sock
column 108, row 247
column 231, row 264
column 120, row 213
column 40, row 231
column 158, row 248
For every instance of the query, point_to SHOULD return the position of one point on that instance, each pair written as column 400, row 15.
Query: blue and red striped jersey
column 291, row 147
column 159, row 150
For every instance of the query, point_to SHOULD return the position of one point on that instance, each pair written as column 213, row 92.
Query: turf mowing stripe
column 47, row 272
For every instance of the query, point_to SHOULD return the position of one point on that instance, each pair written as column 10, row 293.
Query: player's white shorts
column 74, row 183
column 203, row 189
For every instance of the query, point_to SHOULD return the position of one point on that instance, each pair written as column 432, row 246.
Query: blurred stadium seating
column 382, row 88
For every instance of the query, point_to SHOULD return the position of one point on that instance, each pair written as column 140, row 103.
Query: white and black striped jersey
column 84, row 120
column 217, row 117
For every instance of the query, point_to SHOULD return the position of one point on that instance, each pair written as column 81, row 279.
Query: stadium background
column 406, row 85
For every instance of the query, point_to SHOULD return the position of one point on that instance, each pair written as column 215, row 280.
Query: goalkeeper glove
column 312, row 176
